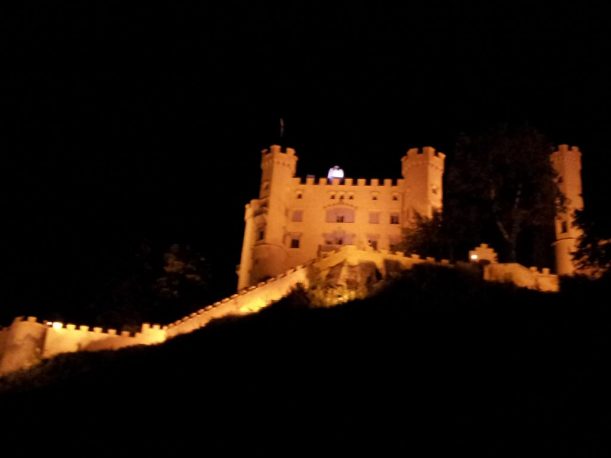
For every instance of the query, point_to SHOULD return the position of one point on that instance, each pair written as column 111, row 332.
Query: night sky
column 120, row 125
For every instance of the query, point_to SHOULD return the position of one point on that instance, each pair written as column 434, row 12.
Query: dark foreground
column 437, row 364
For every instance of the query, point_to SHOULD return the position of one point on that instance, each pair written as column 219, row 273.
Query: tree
column 429, row 237
column 502, row 184
column 183, row 275
column 593, row 253
column 160, row 283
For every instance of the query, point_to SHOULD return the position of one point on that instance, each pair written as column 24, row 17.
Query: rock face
column 343, row 282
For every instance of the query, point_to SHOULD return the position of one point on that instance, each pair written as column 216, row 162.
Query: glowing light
column 474, row 257
column 335, row 172
column 57, row 325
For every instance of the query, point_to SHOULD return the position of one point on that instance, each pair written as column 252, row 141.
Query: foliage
column 428, row 237
column 502, row 184
column 593, row 253
column 161, row 283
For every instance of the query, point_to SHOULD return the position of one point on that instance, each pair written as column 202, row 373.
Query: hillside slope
column 438, row 362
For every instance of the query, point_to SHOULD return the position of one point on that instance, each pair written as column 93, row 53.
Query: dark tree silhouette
column 429, row 237
column 594, row 246
column 502, row 183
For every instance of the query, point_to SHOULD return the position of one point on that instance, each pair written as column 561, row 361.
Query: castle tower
column 423, row 180
column 567, row 164
column 264, row 252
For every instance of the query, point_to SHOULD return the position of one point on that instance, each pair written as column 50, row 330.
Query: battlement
column 277, row 149
column 427, row 152
column 58, row 325
column 566, row 152
column 538, row 271
column 44, row 339
column 348, row 182
column 564, row 148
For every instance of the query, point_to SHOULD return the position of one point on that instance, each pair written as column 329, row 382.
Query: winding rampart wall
column 27, row 340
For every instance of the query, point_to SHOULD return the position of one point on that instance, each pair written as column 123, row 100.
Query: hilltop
column 438, row 361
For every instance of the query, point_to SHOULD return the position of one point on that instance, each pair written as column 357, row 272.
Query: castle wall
column 522, row 277
column 368, row 206
column 26, row 342
column 296, row 220
column 23, row 346
column 423, row 172
column 248, row 300
column 69, row 338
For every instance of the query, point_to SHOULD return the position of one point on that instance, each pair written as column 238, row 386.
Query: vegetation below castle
column 439, row 361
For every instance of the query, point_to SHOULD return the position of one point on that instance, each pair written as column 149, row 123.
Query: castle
column 294, row 221
column 334, row 237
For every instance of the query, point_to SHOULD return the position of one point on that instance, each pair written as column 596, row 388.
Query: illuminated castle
column 333, row 237
column 294, row 221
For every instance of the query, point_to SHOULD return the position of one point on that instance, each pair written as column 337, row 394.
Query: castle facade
column 294, row 220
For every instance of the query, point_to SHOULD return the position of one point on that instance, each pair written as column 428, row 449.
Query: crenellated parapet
column 29, row 340
column 337, row 276
column 419, row 156
column 347, row 182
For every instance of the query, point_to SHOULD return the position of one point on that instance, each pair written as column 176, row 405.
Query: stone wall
column 338, row 276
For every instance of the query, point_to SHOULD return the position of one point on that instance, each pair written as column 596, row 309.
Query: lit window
column 294, row 242
column 340, row 215
column 297, row 216
column 394, row 218
column 374, row 218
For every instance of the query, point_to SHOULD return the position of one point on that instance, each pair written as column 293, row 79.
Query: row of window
column 295, row 241
column 349, row 196
column 346, row 215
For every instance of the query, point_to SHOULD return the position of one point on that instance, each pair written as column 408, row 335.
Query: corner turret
column 567, row 164
column 423, row 174
column 263, row 251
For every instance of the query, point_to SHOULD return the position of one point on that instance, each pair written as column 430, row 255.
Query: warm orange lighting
column 57, row 325
column 474, row 257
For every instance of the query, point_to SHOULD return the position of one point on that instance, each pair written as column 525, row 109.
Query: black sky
column 122, row 123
